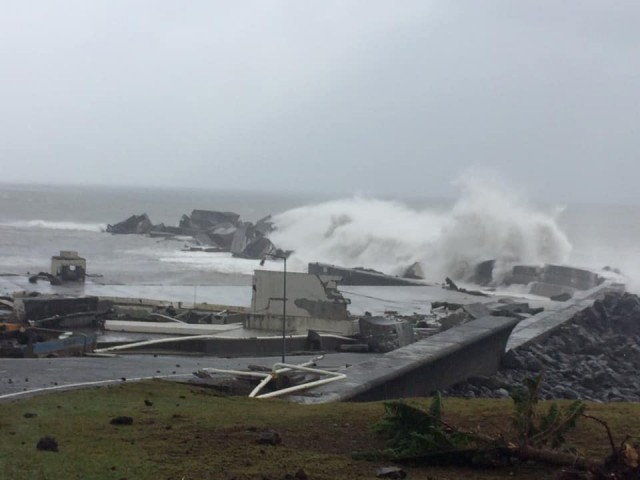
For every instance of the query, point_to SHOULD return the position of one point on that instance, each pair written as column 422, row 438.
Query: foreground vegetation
column 189, row 432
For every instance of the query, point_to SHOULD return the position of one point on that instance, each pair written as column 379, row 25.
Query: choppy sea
column 445, row 236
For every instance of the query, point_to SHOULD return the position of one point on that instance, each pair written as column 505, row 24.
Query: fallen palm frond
column 422, row 437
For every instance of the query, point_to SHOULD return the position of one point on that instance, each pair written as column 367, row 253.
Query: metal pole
column 284, row 311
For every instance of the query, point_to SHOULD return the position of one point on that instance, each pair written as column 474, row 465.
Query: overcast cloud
column 328, row 96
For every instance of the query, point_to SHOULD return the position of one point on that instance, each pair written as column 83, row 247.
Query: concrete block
column 549, row 289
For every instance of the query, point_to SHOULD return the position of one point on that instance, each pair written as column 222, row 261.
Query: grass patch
column 189, row 432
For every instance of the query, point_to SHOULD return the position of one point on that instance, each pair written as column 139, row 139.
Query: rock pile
column 212, row 231
column 595, row 356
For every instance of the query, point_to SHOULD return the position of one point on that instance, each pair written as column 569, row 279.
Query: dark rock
column 561, row 297
column 47, row 444
column 269, row 437
column 513, row 360
column 301, row 475
column 148, row 403
column 502, row 393
column 122, row 420
column 30, row 415
column 595, row 356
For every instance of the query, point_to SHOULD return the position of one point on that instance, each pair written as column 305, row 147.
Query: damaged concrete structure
column 212, row 231
column 383, row 334
column 359, row 276
column 554, row 280
column 68, row 266
column 313, row 303
column 135, row 224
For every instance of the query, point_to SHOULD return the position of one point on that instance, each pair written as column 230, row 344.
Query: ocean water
column 448, row 237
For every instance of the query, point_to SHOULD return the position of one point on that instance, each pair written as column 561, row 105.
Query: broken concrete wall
column 384, row 334
column 205, row 219
column 306, row 295
column 37, row 308
column 359, row 276
column 313, row 301
column 551, row 280
column 570, row 277
column 549, row 290
column 69, row 267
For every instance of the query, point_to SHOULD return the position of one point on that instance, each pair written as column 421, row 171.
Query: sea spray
column 485, row 223
column 490, row 221
column 56, row 225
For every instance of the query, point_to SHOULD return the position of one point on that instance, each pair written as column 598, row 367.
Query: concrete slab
column 422, row 367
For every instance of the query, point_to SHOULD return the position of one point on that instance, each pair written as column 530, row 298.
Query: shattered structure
column 313, row 303
column 68, row 267
column 557, row 282
column 359, row 276
column 211, row 230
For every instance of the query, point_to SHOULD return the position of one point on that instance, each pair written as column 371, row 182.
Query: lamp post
column 284, row 300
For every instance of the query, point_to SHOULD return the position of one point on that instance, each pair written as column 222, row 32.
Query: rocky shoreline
column 594, row 356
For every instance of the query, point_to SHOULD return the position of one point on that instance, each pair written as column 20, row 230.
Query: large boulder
column 139, row 224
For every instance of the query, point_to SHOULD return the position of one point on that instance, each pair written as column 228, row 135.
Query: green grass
column 192, row 433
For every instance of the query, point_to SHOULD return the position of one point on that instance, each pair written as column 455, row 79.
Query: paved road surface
column 20, row 378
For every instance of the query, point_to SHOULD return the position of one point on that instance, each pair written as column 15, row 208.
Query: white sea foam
column 54, row 225
column 215, row 262
column 487, row 222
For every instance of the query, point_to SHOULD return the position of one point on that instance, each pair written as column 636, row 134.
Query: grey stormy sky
column 328, row 96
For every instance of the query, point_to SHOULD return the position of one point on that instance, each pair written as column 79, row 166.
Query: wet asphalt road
column 20, row 378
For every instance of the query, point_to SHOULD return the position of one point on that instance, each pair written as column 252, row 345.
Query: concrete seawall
column 434, row 363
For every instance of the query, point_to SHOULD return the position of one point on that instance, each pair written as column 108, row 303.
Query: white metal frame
column 279, row 368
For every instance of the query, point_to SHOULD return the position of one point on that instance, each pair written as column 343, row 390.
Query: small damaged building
column 313, row 303
column 68, row 266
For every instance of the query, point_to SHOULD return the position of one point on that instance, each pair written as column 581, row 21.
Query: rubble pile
column 212, row 231
column 595, row 356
